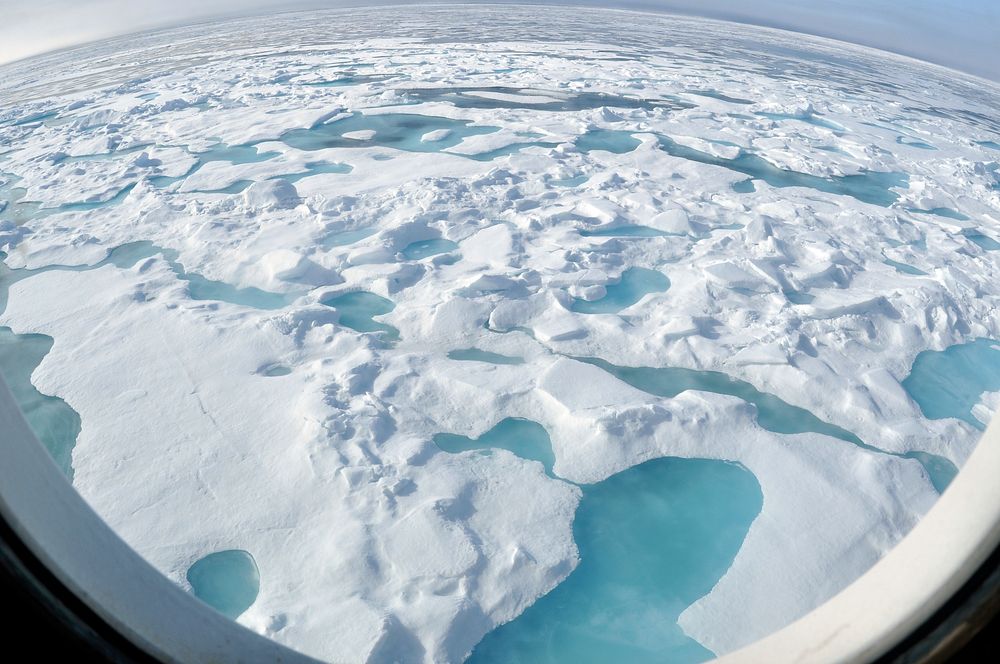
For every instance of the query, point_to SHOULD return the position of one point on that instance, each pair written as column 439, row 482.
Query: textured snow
column 372, row 544
column 987, row 407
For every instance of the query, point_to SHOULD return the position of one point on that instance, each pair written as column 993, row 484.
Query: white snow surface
column 375, row 546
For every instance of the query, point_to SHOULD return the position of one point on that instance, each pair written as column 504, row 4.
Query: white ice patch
column 360, row 135
column 986, row 409
column 328, row 473
column 436, row 135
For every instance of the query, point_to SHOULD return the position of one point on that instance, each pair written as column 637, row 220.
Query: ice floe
column 372, row 316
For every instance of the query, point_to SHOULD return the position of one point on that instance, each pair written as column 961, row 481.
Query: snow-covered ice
column 268, row 283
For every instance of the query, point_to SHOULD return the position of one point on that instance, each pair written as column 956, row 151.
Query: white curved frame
column 906, row 587
column 859, row 624
column 84, row 553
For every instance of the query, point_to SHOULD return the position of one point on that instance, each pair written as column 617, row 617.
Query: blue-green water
column 773, row 414
column 275, row 370
column 235, row 188
column 200, row 288
column 123, row 257
column 814, row 120
column 233, row 154
column 949, row 383
column 744, row 187
column 525, row 438
column 609, row 140
column 574, row 181
column 18, row 212
column 947, row 213
column 113, row 153
column 904, row 268
column 236, row 154
column 85, row 206
column 635, row 283
column 348, row 80
column 228, row 581
column 465, row 97
column 50, row 418
column 13, row 207
column 714, row 94
column 984, row 241
column 357, row 311
column 344, row 238
column 940, row 470
column 401, row 131
column 652, row 540
column 35, row 117
column 510, row 149
column 914, row 143
column 869, row 187
column 798, row 297
column 316, row 168
column 634, row 230
column 423, row 248
column 476, row 355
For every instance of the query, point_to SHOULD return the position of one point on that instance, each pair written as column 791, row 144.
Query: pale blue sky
column 963, row 34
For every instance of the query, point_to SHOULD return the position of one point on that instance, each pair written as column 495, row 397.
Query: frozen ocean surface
column 530, row 341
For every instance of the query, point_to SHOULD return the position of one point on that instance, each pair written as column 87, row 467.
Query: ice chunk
column 271, row 194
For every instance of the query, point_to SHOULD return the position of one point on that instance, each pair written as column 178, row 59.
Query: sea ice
column 487, row 325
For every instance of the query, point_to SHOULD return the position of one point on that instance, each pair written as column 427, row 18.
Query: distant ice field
column 501, row 334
